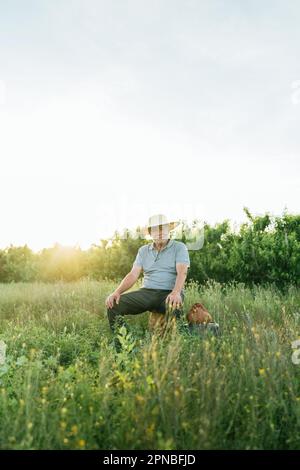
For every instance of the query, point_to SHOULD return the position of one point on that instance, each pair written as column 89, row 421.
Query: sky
column 113, row 111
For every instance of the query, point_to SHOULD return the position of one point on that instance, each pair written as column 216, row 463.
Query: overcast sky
column 113, row 110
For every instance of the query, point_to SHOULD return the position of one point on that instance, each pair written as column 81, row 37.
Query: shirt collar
column 170, row 242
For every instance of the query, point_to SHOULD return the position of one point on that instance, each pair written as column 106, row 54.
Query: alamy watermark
column 2, row 352
column 295, row 94
column 189, row 227
column 296, row 353
column 2, row 92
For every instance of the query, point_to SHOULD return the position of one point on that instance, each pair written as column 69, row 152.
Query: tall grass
column 64, row 387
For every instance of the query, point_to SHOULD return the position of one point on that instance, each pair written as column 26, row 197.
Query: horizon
column 234, row 226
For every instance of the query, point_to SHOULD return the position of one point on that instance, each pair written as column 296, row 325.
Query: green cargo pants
column 139, row 301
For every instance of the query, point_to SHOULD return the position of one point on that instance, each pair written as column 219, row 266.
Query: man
column 165, row 263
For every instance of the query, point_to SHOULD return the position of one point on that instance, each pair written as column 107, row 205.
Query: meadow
column 62, row 385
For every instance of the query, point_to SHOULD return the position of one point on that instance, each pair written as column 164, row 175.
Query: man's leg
column 130, row 303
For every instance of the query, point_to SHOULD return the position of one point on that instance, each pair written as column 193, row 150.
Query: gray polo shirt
column 160, row 266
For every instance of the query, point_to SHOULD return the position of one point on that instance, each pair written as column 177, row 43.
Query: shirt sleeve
column 139, row 258
column 182, row 254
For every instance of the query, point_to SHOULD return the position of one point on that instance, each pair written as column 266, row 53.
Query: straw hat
column 159, row 219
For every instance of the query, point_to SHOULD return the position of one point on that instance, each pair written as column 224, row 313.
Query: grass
column 63, row 386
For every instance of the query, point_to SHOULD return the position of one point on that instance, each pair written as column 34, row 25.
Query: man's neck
column 161, row 244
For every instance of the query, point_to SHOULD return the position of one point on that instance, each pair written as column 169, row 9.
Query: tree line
column 264, row 250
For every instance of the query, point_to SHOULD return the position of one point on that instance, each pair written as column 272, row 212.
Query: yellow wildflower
column 32, row 353
column 81, row 443
column 150, row 429
column 140, row 398
column 74, row 429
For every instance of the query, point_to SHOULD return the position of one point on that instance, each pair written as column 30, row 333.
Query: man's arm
column 182, row 270
column 129, row 279
column 126, row 283
column 174, row 298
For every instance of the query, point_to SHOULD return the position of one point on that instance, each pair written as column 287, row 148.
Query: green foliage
column 17, row 264
column 264, row 250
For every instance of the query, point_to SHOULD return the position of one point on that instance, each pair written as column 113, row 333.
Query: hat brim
column 171, row 224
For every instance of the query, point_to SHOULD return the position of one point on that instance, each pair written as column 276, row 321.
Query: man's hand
column 115, row 296
column 174, row 299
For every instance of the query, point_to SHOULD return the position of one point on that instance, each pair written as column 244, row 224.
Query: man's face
column 159, row 232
